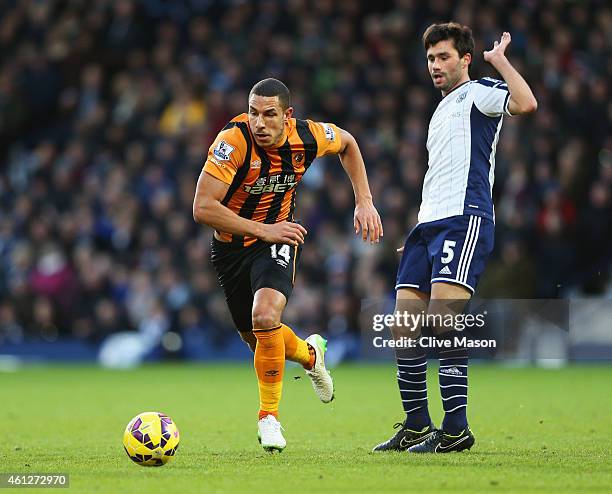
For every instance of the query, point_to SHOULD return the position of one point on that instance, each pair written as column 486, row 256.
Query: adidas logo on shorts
column 445, row 270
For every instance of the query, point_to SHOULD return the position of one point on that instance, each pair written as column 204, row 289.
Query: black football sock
column 453, row 379
column 412, row 382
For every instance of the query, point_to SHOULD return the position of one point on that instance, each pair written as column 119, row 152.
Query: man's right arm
column 208, row 210
column 522, row 100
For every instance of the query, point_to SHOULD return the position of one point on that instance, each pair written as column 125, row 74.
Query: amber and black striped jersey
column 262, row 182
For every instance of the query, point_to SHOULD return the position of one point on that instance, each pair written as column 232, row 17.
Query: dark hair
column 461, row 36
column 273, row 87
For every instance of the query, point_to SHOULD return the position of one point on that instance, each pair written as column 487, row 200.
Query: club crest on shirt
column 223, row 151
column 461, row 97
column 298, row 157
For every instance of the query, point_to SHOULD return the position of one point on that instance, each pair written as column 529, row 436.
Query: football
column 151, row 439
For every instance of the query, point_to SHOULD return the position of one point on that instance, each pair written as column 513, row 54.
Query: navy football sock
column 412, row 382
column 453, row 378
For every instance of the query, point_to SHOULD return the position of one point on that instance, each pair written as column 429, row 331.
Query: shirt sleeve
column 492, row 97
column 327, row 136
column 226, row 155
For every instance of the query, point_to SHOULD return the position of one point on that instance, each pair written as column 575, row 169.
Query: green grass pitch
column 536, row 430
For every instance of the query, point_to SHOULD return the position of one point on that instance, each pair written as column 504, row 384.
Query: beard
column 448, row 81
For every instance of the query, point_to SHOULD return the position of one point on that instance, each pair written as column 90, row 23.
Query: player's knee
column 407, row 322
column 401, row 332
column 265, row 319
column 249, row 338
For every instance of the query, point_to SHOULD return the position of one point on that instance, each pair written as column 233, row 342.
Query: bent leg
column 296, row 349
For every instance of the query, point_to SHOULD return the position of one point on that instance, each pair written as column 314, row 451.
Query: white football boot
column 269, row 434
column 320, row 377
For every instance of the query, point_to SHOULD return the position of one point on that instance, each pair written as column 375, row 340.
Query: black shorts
column 244, row 270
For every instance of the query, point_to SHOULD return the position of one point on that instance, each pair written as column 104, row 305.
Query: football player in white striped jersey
column 446, row 252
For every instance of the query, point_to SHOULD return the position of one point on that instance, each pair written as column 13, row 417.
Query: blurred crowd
column 108, row 107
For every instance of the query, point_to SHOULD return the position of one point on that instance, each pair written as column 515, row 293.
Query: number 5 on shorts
column 447, row 249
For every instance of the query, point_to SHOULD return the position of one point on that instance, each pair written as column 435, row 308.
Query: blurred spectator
column 107, row 109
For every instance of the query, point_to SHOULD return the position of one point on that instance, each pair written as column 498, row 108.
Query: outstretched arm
column 366, row 217
column 522, row 99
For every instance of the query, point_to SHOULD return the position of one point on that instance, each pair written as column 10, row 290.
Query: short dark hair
column 461, row 36
column 273, row 87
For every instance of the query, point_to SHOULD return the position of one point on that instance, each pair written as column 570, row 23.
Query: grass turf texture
column 536, row 430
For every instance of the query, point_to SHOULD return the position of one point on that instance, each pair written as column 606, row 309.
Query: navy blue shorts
column 452, row 250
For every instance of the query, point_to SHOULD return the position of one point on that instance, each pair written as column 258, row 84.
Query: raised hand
column 499, row 48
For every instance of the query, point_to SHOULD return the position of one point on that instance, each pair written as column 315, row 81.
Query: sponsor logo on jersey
column 223, row 151
column 272, row 183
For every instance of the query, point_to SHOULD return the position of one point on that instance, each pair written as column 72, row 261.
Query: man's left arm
column 522, row 99
column 366, row 218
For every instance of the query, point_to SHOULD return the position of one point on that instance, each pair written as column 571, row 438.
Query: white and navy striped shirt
column 461, row 141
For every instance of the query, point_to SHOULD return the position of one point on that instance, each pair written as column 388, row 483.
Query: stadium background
column 107, row 109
